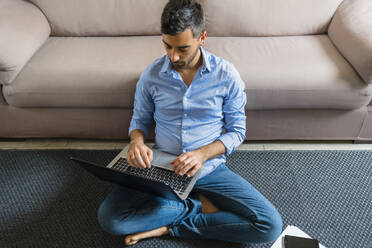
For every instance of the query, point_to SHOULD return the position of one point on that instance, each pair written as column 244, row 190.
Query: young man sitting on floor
column 197, row 101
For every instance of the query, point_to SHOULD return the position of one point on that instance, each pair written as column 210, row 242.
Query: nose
column 174, row 56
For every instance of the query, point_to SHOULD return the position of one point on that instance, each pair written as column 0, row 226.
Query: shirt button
column 184, row 131
column 185, row 115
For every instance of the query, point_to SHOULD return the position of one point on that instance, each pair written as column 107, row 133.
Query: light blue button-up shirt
column 187, row 118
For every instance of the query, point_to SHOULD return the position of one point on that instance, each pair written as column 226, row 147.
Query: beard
column 184, row 64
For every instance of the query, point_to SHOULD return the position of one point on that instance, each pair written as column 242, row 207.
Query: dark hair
column 178, row 15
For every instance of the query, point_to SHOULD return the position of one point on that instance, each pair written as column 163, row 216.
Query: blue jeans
column 246, row 216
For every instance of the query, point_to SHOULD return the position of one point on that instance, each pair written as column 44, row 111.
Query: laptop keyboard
column 176, row 182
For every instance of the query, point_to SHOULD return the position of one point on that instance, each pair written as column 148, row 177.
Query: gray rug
column 48, row 201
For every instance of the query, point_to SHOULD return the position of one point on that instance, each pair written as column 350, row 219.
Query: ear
column 203, row 37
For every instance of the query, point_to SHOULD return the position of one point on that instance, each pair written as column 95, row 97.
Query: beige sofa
column 69, row 68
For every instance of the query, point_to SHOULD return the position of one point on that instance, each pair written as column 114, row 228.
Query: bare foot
column 131, row 239
column 207, row 205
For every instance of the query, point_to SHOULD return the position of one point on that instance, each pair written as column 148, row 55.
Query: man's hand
column 139, row 155
column 189, row 162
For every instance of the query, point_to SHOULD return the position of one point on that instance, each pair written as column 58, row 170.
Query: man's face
column 182, row 48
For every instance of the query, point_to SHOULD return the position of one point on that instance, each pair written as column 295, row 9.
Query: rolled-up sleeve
column 234, row 114
column 143, row 106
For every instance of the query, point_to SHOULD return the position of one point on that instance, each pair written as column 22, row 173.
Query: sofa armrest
column 351, row 32
column 23, row 29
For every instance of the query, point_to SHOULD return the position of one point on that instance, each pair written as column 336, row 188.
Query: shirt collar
column 206, row 65
column 167, row 66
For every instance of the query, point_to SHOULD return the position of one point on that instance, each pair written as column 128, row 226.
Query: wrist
column 136, row 142
column 137, row 137
column 204, row 154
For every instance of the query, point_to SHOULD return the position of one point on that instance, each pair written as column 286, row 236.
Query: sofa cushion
column 102, row 17
column 268, row 17
column 280, row 72
column 23, row 29
column 84, row 72
column 351, row 32
column 293, row 72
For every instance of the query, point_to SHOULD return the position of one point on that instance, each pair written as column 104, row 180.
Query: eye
column 183, row 50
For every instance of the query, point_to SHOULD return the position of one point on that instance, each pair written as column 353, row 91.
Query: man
column 197, row 101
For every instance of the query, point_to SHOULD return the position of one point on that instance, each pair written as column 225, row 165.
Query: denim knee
column 274, row 227
column 110, row 222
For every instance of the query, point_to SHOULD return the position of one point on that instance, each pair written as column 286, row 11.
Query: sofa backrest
column 268, row 17
column 224, row 17
column 102, row 17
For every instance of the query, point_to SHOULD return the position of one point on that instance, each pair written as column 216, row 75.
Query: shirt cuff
column 229, row 140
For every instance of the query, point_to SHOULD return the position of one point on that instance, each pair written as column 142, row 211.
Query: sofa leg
column 362, row 141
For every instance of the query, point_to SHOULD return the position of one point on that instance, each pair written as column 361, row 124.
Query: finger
column 176, row 159
column 135, row 163
column 187, row 167
column 177, row 165
column 150, row 155
column 180, row 159
column 193, row 171
column 175, row 162
column 182, row 167
column 139, row 160
column 132, row 160
column 145, row 159
column 129, row 159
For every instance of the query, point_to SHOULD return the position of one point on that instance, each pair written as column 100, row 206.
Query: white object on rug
column 294, row 231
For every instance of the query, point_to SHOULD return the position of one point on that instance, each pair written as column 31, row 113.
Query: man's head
column 183, row 29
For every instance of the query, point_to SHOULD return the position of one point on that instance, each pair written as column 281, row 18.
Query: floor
column 115, row 144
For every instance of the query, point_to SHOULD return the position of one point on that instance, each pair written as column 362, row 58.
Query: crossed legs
column 229, row 209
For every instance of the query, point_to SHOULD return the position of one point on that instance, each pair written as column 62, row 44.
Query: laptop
column 160, row 179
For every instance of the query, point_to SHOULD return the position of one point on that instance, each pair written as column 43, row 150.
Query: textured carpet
column 48, row 201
